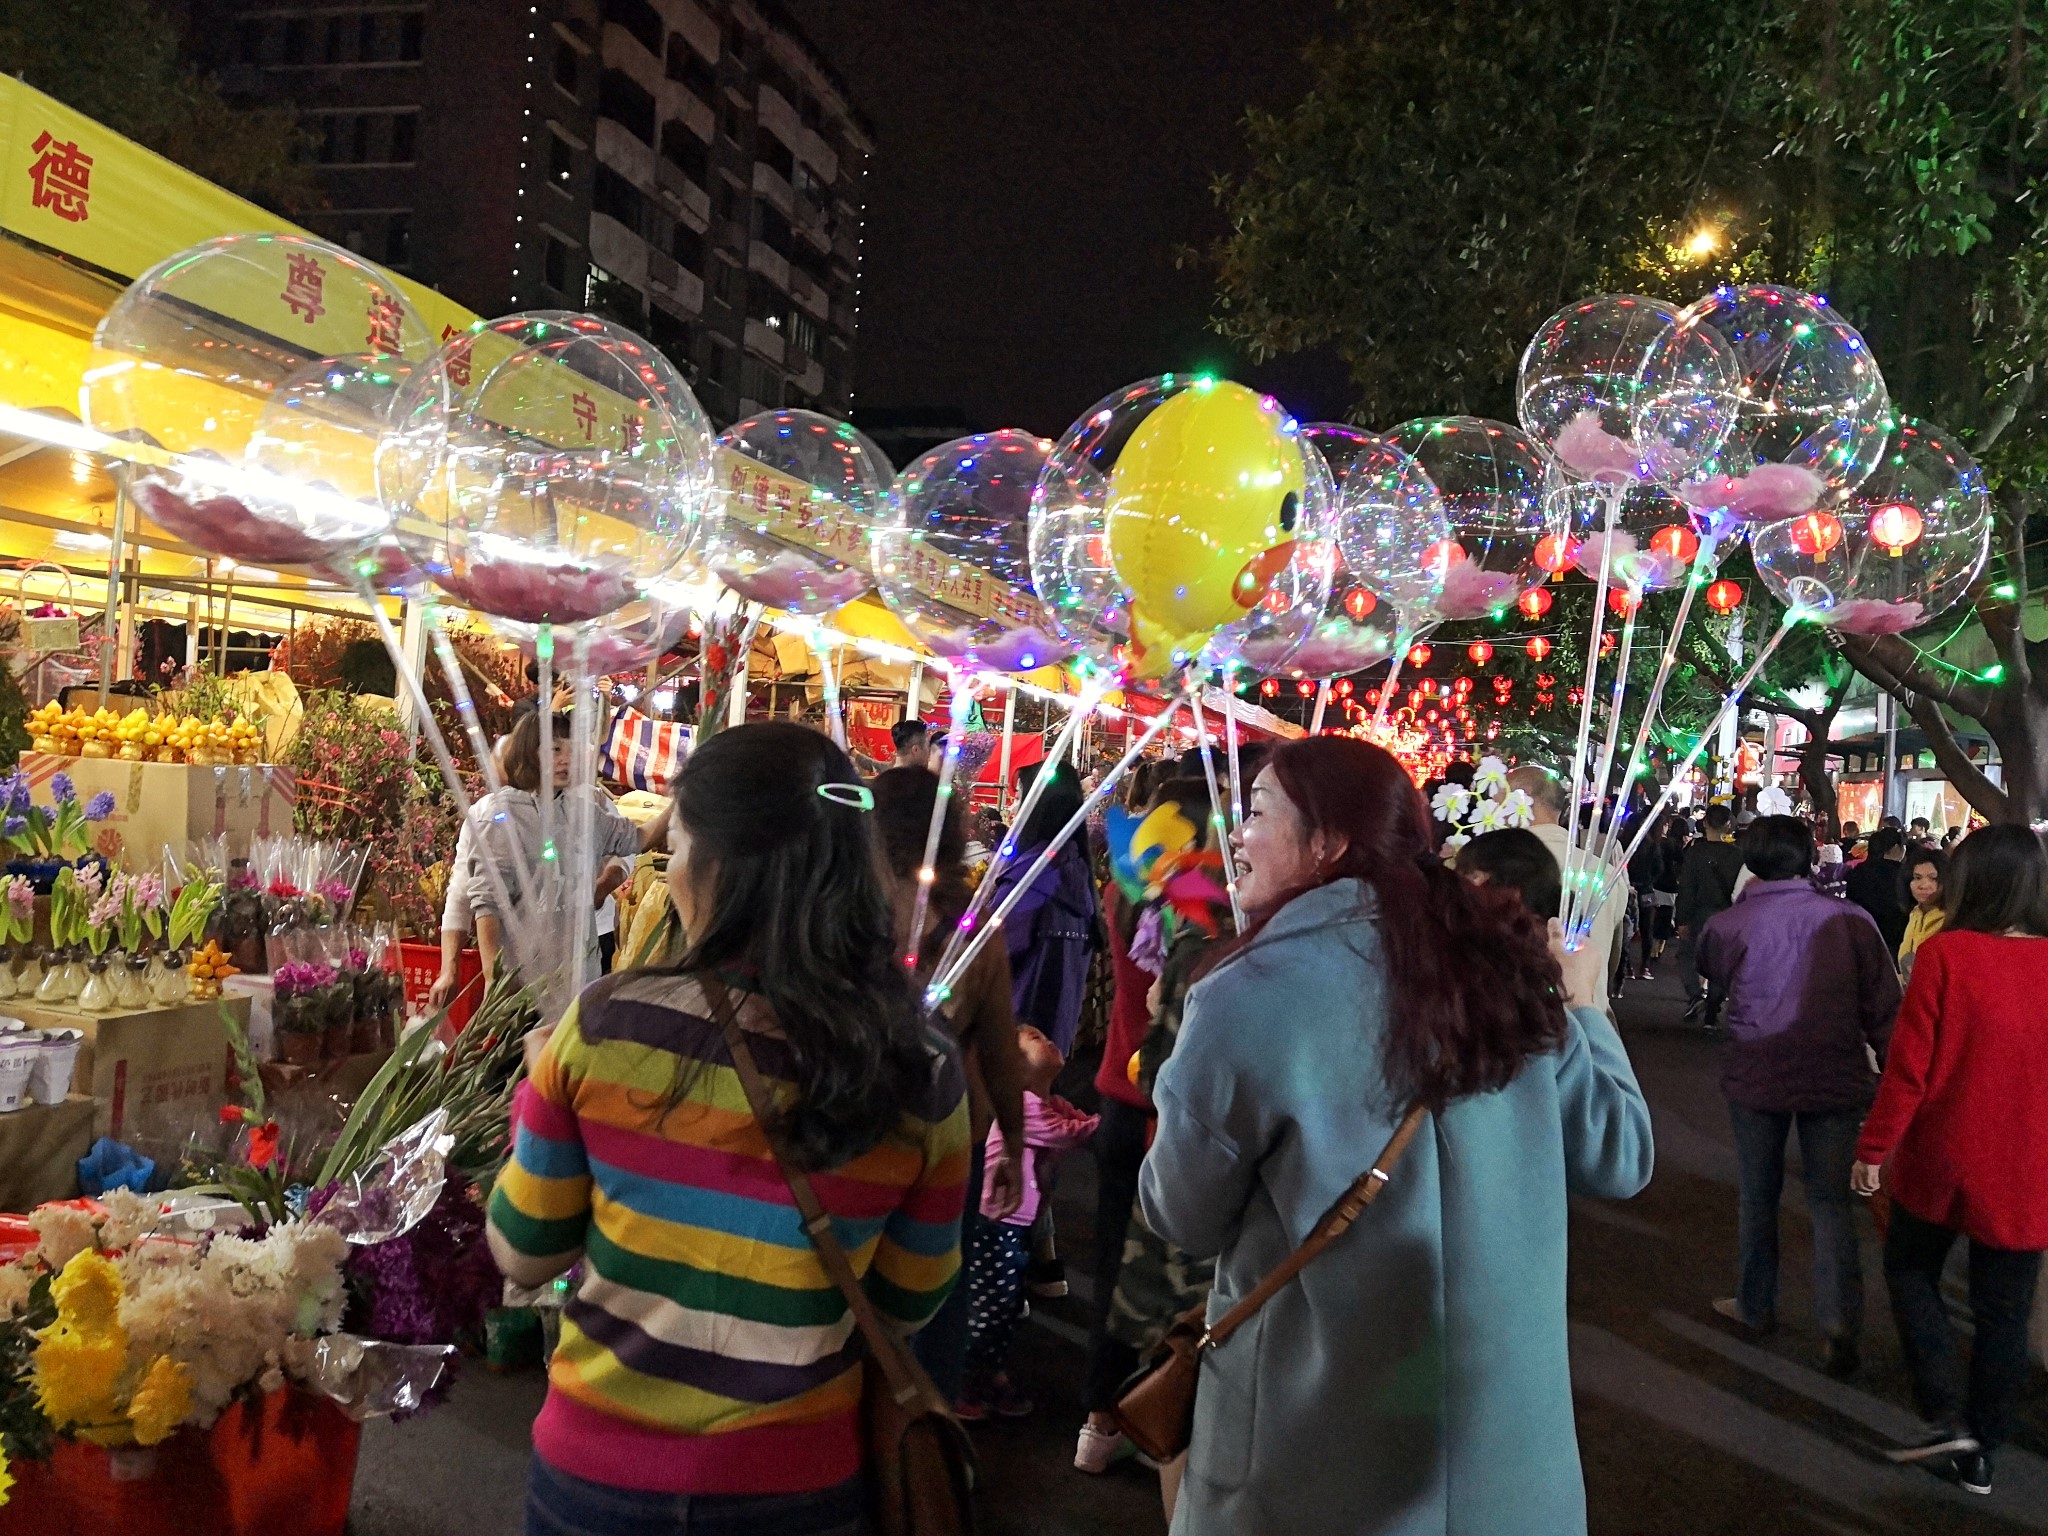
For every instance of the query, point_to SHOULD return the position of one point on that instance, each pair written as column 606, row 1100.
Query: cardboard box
column 40, row 1146
column 160, row 804
column 158, row 1063
column 312, row 1090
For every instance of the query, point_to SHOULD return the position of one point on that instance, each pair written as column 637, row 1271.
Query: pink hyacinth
column 1767, row 494
column 148, row 890
column 1869, row 616
column 1591, row 452
column 21, row 896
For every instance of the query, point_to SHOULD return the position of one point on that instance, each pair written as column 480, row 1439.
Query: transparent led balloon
column 263, row 366
column 547, row 468
column 1491, row 479
column 1583, row 383
column 1903, row 552
column 1391, row 528
column 1655, row 542
column 804, row 497
column 953, row 562
column 626, row 641
column 1298, row 613
column 1170, row 511
column 1355, row 628
column 1809, row 411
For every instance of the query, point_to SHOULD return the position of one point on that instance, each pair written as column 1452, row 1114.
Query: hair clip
column 857, row 796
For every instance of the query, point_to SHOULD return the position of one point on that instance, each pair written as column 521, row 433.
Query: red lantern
column 1419, row 656
column 1554, row 552
column 1444, row 552
column 1462, row 686
column 1546, row 680
column 1427, row 685
column 1535, row 602
column 1480, row 652
column 1676, row 542
column 1724, row 596
column 1894, row 526
column 1305, row 688
column 1431, row 717
column 1372, row 696
column 1270, row 687
column 1538, row 646
column 1343, row 689
column 1816, row 534
column 1607, row 643
column 1577, row 695
column 1358, row 603
column 1624, row 602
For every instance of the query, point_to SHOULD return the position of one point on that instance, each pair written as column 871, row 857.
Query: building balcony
column 777, row 116
column 765, row 341
column 632, row 158
column 668, row 277
column 622, row 51
column 683, row 192
column 619, row 251
column 771, row 266
column 809, row 296
column 812, row 380
column 773, row 190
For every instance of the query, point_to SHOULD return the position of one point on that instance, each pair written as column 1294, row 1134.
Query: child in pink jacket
column 998, row 1250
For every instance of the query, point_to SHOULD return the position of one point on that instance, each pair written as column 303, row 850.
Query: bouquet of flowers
column 1488, row 806
column 304, row 990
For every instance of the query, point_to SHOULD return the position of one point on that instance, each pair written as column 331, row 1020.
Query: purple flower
column 14, row 826
column 100, row 806
column 63, row 789
column 17, row 793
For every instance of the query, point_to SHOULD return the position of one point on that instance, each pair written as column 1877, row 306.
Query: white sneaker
column 1098, row 1448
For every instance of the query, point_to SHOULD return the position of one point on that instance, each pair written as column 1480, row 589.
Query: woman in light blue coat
column 1416, row 1377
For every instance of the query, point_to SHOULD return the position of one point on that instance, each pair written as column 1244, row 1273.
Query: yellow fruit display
column 139, row 736
column 208, row 969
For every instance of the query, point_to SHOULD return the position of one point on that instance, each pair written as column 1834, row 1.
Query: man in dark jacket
column 1706, row 885
column 1810, row 984
column 1874, row 885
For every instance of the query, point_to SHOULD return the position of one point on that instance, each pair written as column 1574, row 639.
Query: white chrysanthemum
column 65, row 1232
column 1491, row 775
column 15, row 1283
column 1449, row 801
column 129, row 1218
column 1517, row 809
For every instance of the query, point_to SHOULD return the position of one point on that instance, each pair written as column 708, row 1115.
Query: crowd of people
column 1415, row 1378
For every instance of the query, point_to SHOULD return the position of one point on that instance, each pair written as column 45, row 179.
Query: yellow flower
column 88, row 1293
column 77, row 1374
column 161, row 1401
column 6, row 1478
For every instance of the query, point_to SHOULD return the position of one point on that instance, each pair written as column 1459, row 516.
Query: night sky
column 1038, row 165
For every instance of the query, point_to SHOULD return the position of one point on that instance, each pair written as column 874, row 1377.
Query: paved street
column 1684, row 1427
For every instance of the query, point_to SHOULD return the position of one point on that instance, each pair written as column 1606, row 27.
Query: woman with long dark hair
column 1959, row 1139
column 1415, row 1377
column 709, row 1372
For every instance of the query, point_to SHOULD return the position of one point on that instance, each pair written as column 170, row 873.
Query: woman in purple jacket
column 1050, row 933
column 1809, row 985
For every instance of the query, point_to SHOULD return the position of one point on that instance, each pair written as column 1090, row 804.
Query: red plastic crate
column 420, row 964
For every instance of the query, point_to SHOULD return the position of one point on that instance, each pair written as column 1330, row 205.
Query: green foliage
column 117, row 62
column 1457, row 172
column 14, row 738
column 24, row 1432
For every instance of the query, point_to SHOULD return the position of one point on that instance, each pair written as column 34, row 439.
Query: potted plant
column 17, row 926
column 43, row 839
column 301, row 1009
column 98, row 994
column 197, row 900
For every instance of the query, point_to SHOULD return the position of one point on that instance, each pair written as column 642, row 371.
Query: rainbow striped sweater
column 706, row 1350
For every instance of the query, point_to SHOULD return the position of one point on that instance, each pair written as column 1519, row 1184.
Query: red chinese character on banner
column 630, row 431
column 305, row 286
column 63, row 178
column 384, row 325
column 458, row 356
column 584, row 409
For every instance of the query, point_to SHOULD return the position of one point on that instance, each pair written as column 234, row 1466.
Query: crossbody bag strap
column 1349, row 1207
column 908, row 1383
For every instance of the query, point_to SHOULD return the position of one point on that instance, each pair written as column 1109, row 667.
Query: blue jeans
column 560, row 1505
column 1827, row 1150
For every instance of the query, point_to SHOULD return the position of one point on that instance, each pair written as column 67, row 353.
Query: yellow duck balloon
column 1203, row 503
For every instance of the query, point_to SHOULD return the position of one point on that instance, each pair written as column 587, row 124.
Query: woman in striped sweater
column 709, row 1372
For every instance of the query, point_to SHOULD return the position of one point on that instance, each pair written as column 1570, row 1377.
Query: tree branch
column 1970, row 781
column 1882, row 657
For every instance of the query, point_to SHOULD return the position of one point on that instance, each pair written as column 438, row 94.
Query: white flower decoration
column 1486, row 816
column 1456, row 841
column 1449, row 801
column 1517, row 809
column 1491, row 776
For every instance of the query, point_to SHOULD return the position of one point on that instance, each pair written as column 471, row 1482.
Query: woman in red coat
column 1959, row 1138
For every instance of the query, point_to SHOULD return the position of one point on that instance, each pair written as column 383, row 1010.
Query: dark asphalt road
column 1683, row 1426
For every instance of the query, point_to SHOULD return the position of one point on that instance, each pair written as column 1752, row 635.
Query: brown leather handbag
column 1156, row 1408
column 921, row 1466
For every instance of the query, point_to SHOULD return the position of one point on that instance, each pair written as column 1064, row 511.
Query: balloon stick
column 949, row 976
column 1003, row 762
column 1615, row 495
column 927, row 869
column 1315, row 724
column 1215, row 801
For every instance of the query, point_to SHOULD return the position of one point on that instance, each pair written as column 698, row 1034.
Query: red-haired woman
column 1414, row 1378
